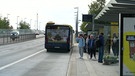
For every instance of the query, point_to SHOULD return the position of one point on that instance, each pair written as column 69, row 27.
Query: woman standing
column 108, row 44
column 115, row 45
column 81, row 44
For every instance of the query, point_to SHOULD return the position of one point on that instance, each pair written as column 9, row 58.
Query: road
column 29, row 58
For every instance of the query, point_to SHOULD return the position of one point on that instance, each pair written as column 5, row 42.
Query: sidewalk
column 87, row 67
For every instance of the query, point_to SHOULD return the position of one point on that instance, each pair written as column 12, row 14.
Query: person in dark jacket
column 91, row 47
column 101, row 48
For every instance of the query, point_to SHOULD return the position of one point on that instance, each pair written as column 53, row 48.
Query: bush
column 110, row 59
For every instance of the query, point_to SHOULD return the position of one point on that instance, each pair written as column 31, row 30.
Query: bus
column 58, row 37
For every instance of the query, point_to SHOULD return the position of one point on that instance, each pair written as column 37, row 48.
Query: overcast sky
column 58, row 11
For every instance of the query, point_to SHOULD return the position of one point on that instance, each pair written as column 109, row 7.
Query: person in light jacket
column 81, row 43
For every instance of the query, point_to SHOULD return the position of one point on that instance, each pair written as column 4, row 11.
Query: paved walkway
column 87, row 67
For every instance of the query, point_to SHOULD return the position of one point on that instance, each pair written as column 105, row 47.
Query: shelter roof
column 111, row 11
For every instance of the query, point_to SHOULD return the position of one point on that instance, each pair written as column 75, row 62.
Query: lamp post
column 17, row 22
column 7, row 18
column 39, row 25
column 30, row 22
column 76, row 20
column 37, row 21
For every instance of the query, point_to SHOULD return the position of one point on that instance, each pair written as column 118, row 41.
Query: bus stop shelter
column 111, row 11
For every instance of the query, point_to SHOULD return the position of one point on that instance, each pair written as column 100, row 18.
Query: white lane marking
column 15, row 62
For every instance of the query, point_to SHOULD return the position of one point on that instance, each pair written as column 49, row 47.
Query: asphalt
column 89, row 67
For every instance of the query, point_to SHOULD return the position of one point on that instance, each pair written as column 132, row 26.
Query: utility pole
column 77, row 21
column 30, row 23
column 17, row 22
column 37, row 21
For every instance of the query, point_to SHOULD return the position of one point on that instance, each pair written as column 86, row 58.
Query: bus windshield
column 57, row 34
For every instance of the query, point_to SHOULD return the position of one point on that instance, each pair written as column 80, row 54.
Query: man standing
column 81, row 43
column 91, row 46
column 101, row 48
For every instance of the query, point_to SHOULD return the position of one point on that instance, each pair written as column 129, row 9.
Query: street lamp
column 30, row 22
column 76, row 20
column 37, row 21
column 39, row 25
column 17, row 22
column 7, row 18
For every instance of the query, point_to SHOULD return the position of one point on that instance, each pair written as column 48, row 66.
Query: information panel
column 127, row 44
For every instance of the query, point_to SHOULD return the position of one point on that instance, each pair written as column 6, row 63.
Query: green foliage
column 24, row 25
column 96, row 6
column 82, row 27
column 109, row 57
column 4, row 23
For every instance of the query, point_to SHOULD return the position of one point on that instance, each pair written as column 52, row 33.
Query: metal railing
column 24, row 35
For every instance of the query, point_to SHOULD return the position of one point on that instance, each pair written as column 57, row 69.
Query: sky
column 43, row 11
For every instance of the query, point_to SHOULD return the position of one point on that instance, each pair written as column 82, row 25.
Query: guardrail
column 24, row 35
column 5, row 39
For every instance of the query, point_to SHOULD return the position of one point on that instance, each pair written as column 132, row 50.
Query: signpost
column 87, row 18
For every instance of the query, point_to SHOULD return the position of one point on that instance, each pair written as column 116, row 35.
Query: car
column 36, row 32
column 14, row 35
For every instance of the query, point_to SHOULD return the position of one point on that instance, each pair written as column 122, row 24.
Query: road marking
column 15, row 62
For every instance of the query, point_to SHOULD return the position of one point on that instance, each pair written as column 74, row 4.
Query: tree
column 82, row 27
column 4, row 23
column 94, row 8
column 24, row 25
